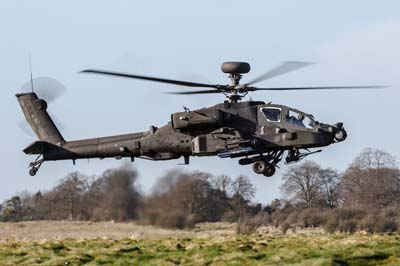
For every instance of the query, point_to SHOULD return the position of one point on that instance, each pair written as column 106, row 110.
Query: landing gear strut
column 264, row 164
column 35, row 165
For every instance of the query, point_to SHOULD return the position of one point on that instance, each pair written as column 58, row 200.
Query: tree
column 28, row 205
column 113, row 195
column 372, row 158
column 12, row 211
column 243, row 188
column 69, row 194
column 372, row 180
column 222, row 183
column 167, row 181
column 275, row 205
column 302, row 183
column 40, row 206
column 188, row 199
column 330, row 187
column 242, row 192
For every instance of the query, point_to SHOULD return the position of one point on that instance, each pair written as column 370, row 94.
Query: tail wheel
column 270, row 170
column 32, row 171
column 259, row 167
column 35, row 165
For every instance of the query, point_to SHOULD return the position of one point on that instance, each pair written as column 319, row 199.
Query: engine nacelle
column 194, row 120
column 220, row 140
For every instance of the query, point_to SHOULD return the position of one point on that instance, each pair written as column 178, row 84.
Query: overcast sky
column 352, row 43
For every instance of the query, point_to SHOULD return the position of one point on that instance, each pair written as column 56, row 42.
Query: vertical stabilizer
column 35, row 111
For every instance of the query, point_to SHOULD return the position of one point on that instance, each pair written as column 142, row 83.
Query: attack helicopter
column 256, row 133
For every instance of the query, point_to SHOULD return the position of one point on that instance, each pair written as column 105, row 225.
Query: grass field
column 63, row 243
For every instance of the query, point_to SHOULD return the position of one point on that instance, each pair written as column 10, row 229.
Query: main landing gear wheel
column 259, row 167
column 269, row 170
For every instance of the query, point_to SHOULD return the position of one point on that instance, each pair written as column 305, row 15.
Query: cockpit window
column 300, row 119
column 272, row 114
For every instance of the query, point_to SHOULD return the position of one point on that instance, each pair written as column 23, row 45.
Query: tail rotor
column 46, row 88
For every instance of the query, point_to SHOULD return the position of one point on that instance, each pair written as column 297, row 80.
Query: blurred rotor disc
column 45, row 87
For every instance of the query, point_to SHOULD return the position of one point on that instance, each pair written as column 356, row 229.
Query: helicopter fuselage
column 256, row 132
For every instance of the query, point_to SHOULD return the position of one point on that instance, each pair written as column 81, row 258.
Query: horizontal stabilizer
column 40, row 147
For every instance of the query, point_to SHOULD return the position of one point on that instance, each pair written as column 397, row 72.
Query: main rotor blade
column 170, row 81
column 281, row 69
column 316, row 88
column 194, row 92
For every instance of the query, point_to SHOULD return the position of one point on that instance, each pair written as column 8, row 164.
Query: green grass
column 229, row 250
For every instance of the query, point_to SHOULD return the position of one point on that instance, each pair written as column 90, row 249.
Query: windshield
column 300, row 119
column 273, row 114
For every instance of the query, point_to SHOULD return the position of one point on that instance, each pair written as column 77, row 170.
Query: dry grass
column 44, row 230
column 83, row 243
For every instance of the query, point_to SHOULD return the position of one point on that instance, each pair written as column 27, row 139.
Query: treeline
column 365, row 196
column 180, row 199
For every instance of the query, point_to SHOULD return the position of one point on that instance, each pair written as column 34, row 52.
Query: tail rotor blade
column 46, row 88
column 24, row 126
column 57, row 121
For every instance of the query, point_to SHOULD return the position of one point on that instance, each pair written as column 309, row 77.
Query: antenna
column 30, row 69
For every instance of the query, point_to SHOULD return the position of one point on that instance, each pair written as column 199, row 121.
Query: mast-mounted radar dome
column 235, row 67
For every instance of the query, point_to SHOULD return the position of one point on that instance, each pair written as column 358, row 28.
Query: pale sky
column 352, row 43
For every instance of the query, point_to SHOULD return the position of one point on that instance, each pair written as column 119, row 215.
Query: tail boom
column 127, row 145
column 155, row 144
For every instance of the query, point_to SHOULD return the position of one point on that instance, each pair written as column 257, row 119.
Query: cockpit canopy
column 286, row 117
column 272, row 114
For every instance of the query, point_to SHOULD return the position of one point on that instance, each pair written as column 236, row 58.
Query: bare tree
column 243, row 188
column 192, row 188
column 167, row 181
column 188, row 200
column 302, row 183
column 222, row 183
column 242, row 192
column 330, row 186
column 120, row 196
column 372, row 158
column 69, row 193
column 372, row 180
